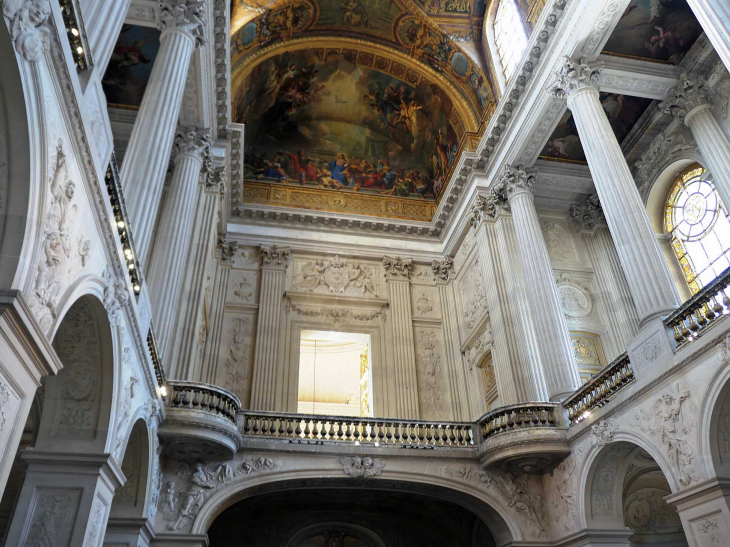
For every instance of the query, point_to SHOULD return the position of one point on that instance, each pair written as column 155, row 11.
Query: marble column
column 266, row 364
column 65, row 499
column 443, row 274
column 561, row 373
column 714, row 16
column 505, row 350
column 148, row 153
column 612, row 289
column 103, row 21
column 398, row 275
column 644, row 266
column 190, row 332
column 26, row 356
column 689, row 101
column 169, row 261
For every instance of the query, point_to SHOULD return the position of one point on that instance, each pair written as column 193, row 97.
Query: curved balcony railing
column 706, row 307
column 517, row 417
column 282, row 425
column 204, row 397
column 597, row 391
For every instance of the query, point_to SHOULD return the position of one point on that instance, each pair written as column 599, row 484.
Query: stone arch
column 714, row 419
column 366, row 536
column 498, row 519
column 131, row 500
column 622, row 489
column 23, row 157
column 78, row 403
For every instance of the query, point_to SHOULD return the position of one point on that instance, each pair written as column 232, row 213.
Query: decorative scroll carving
column 588, row 214
column 645, row 511
column 98, row 510
column 56, row 242
column 671, row 141
column 649, row 351
column 50, row 525
column 115, row 296
column 225, row 250
column 243, row 288
column 514, row 181
column 84, row 249
column 430, row 375
column 424, row 304
column 192, row 141
column 688, row 94
column 187, row 15
column 251, row 466
column 604, row 478
column 602, row 432
column 359, row 467
column 713, row 529
column 668, row 419
column 477, row 351
column 397, row 268
column 336, row 317
column 126, row 399
column 337, row 276
column 239, row 350
column 156, row 477
column 27, row 20
column 443, row 269
column 575, row 76
column 563, row 506
column 474, row 296
column 275, row 257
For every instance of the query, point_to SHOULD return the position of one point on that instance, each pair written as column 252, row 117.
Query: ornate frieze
column 362, row 467
column 397, row 269
column 27, row 22
column 187, row 15
column 274, row 257
column 688, row 94
column 443, row 269
column 335, row 276
column 575, row 76
column 336, row 317
column 588, row 214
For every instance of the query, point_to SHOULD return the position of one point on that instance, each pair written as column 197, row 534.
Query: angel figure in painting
column 355, row 14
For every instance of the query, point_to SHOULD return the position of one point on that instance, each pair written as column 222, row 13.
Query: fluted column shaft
column 714, row 147
column 518, row 306
column 404, row 349
column 217, row 310
column 147, row 156
column 645, row 268
column 714, row 16
column 505, row 352
column 269, row 328
column 610, row 282
column 185, row 354
column 169, row 261
column 561, row 373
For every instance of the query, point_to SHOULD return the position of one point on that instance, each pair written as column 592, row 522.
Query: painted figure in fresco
column 355, row 14
column 124, row 58
column 337, row 168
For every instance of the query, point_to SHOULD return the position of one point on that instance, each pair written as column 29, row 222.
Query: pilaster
column 704, row 510
column 398, row 275
column 217, row 311
column 267, row 365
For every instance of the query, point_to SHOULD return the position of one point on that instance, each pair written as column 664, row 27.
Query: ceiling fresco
column 655, row 30
column 622, row 111
column 355, row 106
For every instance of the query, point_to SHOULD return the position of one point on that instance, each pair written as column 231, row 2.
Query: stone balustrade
column 701, row 311
column 76, row 33
column 203, row 397
column 519, row 416
column 599, row 390
column 377, row 431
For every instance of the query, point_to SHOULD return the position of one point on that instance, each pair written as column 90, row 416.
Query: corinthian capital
column 514, row 181
column 192, row 141
column 588, row 214
column 575, row 76
column 225, row 250
column 397, row 268
column 443, row 269
column 185, row 15
column 275, row 257
column 684, row 97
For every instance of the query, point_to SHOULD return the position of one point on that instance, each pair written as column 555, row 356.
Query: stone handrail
column 597, row 391
column 706, row 307
column 76, row 34
column 204, row 397
column 519, row 416
column 378, row 431
column 156, row 359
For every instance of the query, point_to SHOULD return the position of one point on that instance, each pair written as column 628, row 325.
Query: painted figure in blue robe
column 337, row 168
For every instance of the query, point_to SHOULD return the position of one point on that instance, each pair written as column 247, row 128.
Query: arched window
column 509, row 36
column 698, row 223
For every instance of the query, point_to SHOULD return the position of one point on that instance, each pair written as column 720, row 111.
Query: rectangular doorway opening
column 335, row 374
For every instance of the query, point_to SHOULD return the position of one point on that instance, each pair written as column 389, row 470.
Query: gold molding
column 461, row 103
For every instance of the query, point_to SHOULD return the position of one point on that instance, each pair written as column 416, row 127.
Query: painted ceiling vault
column 358, row 106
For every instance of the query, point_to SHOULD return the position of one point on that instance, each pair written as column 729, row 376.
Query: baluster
column 307, row 431
column 246, row 424
column 316, row 429
column 373, row 430
column 298, row 430
column 340, row 433
column 255, row 425
column 356, row 433
column 348, row 433
column 381, row 433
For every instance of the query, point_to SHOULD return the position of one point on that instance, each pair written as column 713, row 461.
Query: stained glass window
column 698, row 223
column 509, row 36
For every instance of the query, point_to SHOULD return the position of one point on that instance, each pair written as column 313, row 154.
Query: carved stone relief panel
column 54, row 513
column 472, row 297
column 100, row 128
column 127, row 494
column 236, row 354
column 335, row 276
column 604, row 479
column 433, row 389
column 559, row 242
column 645, row 511
column 422, row 274
column 711, row 530
column 462, row 255
column 424, row 301
column 560, row 488
column 9, row 401
column 246, row 258
column 243, row 287
column 576, row 298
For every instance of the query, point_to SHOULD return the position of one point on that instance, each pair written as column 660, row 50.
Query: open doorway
column 335, row 374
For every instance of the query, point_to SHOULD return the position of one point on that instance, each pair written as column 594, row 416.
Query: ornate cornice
column 185, row 15
column 397, row 269
column 275, row 257
column 222, row 52
column 575, row 76
column 686, row 96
